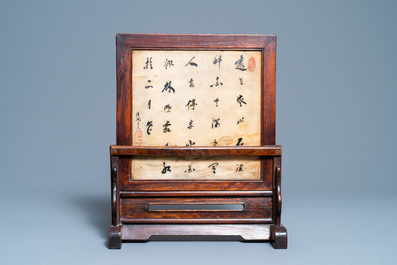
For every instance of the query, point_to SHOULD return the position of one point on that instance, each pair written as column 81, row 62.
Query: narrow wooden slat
column 195, row 193
column 120, row 150
column 246, row 231
column 202, row 185
column 194, row 41
column 196, row 221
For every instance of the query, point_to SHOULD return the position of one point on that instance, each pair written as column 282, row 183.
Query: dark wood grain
column 195, row 41
column 227, row 193
column 277, row 199
column 278, row 196
column 269, row 94
column 256, row 210
column 124, row 93
column 115, row 237
column 115, row 190
column 278, row 236
column 196, row 150
column 202, row 185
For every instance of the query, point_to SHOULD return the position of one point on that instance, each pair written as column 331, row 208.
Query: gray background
column 336, row 120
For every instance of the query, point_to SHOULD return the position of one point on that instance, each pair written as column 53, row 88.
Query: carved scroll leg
column 115, row 237
column 115, row 230
column 278, row 233
column 278, row 236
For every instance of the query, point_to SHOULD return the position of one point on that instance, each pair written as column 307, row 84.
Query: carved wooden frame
column 131, row 219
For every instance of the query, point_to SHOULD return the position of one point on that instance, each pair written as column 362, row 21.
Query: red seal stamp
column 251, row 64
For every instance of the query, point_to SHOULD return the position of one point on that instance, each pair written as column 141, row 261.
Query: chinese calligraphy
column 167, row 108
column 168, row 63
column 148, row 86
column 148, row 63
column 239, row 167
column 239, row 64
column 191, row 62
column 240, row 100
column 149, row 126
column 189, row 169
column 215, row 123
column 168, row 87
column 217, row 83
column 138, row 120
column 213, row 167
column 190, row 124
column 191, row 82
column 218, row 61
column 191, row 104
column 165, row 169
column 216, row 102
column 191, row 98
column 167, row 127
column 190, row 143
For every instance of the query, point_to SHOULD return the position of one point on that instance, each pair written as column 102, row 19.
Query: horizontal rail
column 126, row 150
column 222, row 193
column 197, row 221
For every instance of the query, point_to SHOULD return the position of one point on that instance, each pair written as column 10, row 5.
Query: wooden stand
column 142, row 208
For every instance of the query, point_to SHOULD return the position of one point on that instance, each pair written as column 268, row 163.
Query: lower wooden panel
column 255, row 210
column 246, row 232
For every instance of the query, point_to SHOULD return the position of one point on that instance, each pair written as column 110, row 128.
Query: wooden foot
column 278, row 236
column 115, row 237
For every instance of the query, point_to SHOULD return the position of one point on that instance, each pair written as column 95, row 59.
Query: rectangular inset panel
column 195, row 168
column 196, row 98
column 194, row 207
column 255, row 210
